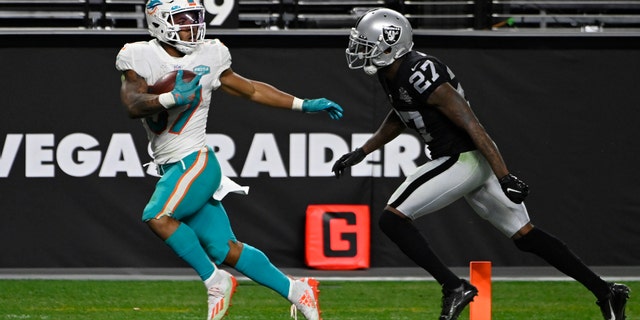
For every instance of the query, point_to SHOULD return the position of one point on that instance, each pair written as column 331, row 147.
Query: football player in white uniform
column 181, row 210
column 426, row 96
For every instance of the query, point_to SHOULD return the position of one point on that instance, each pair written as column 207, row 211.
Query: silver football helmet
column 166, row 17
column 379, row 38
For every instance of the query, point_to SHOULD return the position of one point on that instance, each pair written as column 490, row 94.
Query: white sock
column 211, row 280
column 291, row 283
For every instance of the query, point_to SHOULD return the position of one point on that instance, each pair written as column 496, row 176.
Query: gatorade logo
column 337, row 237
column 339, row 234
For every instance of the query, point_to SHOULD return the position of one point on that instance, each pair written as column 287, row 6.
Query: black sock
column 415, row 246
column 557, row 254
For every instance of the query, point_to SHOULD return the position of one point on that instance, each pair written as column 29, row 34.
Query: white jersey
column 179, row 131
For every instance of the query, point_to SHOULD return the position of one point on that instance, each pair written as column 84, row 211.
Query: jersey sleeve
column 124, row 60
column 137, row 56
column 221, row 59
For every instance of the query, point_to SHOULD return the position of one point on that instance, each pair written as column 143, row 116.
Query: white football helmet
column 166, row 17
column 379, row 38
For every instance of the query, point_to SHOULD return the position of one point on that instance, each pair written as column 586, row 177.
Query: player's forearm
column 134, row 96
column 464, row 118
column 388, row 130
column 269, row 95
column 143, row 105
column 488, row 148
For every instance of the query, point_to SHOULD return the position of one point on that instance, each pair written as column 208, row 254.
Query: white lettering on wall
column 39, row 156
column 400, row 155
column 87, row 160
column 298, row 155
column 264, row 156
column 121, row 156
column 319, row 143
column 9, row 151
column 225, row 149
column 309, row 155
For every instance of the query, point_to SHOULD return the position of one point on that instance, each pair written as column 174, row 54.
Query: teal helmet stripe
column 153, row 3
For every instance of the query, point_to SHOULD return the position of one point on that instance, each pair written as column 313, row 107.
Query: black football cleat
column 613, row 307
column 454, row 301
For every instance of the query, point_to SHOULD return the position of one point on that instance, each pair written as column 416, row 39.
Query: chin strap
column 370, row 70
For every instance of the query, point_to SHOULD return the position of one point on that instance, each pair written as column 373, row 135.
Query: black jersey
column 418, row 76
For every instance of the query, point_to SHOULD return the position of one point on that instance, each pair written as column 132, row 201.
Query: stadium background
column 562, row 108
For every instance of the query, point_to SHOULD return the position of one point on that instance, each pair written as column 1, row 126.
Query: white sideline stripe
column 119, row 277
column 625, row 273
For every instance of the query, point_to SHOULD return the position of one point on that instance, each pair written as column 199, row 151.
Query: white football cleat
column 304, row 296
column 220, row 294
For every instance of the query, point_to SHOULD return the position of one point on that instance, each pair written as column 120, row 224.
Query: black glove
column 348, row 160
column 515, row 189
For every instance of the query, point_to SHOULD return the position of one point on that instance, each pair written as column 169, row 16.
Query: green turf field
column 158, row 300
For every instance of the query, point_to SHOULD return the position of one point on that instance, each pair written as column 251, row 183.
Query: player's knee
column 537, row 240
column 522, row 245
column 227, row 253
column 391, row 223
column 148, row 215
column 163, row 227
column 233, row 255
column 527, row 242
column 400, row 230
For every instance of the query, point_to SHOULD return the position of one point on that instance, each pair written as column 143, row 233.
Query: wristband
column 297, row 104
column 167, row 100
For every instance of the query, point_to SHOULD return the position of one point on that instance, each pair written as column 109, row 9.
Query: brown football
column 168, row 80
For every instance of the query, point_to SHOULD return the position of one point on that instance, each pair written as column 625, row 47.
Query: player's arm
column 135, row 98
column 391, row 127
column 255, row 91
column 269, row 95
column 456, row 108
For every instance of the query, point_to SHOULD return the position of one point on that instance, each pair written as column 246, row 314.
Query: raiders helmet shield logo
column 391, row 34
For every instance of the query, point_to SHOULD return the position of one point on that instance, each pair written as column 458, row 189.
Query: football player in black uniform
column 427, row 97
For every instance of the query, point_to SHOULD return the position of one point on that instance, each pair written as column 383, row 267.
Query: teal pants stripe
column 185, row 187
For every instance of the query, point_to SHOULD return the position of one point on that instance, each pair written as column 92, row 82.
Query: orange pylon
column 480, row 276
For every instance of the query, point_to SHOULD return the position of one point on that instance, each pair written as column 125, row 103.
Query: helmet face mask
column 360, row 51
column 166, row 19
column 379, row 38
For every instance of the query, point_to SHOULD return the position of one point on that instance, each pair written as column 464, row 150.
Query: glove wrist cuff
column 505, row 178
column 167, row 100
column 297, row 104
